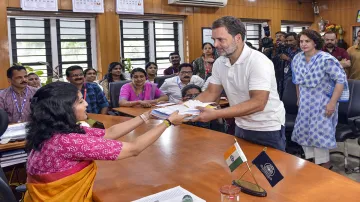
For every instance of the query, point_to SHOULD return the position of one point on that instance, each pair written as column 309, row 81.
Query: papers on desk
column 12, row 157
column 165, row 104
column 14, row 132
column 188, row 107
column 170, row 195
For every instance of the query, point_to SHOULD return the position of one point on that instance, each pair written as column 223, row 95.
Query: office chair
column 354, row 123
column 290, row 103
column 160, row 79
column 347, row 111
column 114, row 90
column 6, row 193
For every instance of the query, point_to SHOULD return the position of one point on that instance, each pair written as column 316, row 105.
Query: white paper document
column 175, row 194
column 14, row 132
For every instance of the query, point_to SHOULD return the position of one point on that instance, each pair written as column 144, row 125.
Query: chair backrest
column 344, row 107
column 160, row 79
column 354, row 104
column 5, row 192
column 289, row 98
column 114, row 90
column 4, row 121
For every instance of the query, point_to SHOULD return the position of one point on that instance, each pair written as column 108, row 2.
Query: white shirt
column 252, row 71
column 172, row 87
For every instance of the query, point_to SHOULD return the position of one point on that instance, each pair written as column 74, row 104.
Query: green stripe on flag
column 235, row 164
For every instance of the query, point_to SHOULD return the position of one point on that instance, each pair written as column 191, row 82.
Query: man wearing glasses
column 172, row 86
column 94, row 96
column 175, row 61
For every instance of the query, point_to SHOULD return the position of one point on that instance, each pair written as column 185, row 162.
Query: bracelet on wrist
column 144, row 118
column 167, row 122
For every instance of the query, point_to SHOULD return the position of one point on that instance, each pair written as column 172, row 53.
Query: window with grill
column 45, row 43
column 73, row 43
column 166, row 37
column 253, row 33
column 135, row 42
column 31, row 43
column 145, row 41
column 293, row 28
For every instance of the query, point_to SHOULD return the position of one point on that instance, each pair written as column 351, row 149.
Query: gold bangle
column 167, row 123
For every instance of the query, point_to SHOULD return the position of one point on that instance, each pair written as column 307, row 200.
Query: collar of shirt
column 22, row 93
column 243, row 57
column 326, row 50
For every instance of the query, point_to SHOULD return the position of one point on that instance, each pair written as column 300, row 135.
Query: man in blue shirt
column 97, row 102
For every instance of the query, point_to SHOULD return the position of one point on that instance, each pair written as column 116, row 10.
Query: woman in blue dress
column 320, row 81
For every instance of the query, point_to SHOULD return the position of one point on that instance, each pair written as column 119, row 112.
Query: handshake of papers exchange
column 188, row 107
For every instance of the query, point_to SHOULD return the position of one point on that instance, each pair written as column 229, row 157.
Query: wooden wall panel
column 340, row 12
column 107, row 24
column 4, row 45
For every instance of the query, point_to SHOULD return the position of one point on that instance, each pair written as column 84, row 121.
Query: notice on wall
column 39, row 5
column 88, row 6
column 130, row 7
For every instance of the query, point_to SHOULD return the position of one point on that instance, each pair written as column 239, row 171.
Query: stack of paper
column 164, row 113
column 188, row 107
column 14, row 132
column 175, row 194
column 12, row 157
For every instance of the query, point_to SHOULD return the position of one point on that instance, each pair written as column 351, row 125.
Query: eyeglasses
column 77, row 75
column 191, row 96
column 186, row 72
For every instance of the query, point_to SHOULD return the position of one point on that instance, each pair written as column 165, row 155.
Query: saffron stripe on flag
column 235, row 164
column 233, row 156
column 230, row 151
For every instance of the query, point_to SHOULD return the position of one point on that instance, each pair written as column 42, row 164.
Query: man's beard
column 330, row 45
column 230, row 50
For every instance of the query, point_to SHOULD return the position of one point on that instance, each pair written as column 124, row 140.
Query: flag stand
column 249, row 187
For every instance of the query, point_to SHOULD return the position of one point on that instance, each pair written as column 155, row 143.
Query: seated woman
column 61, row 164
column 115, row 73
column 203, row 65
column 140, row 92
column 151, row 69
column 90, row 75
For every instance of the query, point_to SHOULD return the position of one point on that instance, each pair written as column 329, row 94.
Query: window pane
column 134, row 49
column 67, row 51
column 31, row 59
column 166, row 43
column 30, row 44
column 26, row 36
column 130, row 25
column 165, row 48
column 133, row 31
column 27, row 22
column 134, row 43
column 74, row 24
column 65, row 66
column 29, row 30
column 68, row 58
column 73, row 37
column 134, row 55
column 23, row 52
column 73, row 44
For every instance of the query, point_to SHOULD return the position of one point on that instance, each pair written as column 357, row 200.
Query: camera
column 267, row 42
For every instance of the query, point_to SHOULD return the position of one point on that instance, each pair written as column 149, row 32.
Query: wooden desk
column 133, row 111
column 193, row 158
column 136, row 111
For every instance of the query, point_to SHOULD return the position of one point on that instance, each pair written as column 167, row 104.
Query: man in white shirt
column 172, row 86
column 248, row 78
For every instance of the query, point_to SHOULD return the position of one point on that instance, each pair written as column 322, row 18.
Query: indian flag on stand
column 234, row 156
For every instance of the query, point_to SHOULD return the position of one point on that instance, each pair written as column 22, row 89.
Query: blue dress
column 312, row 128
